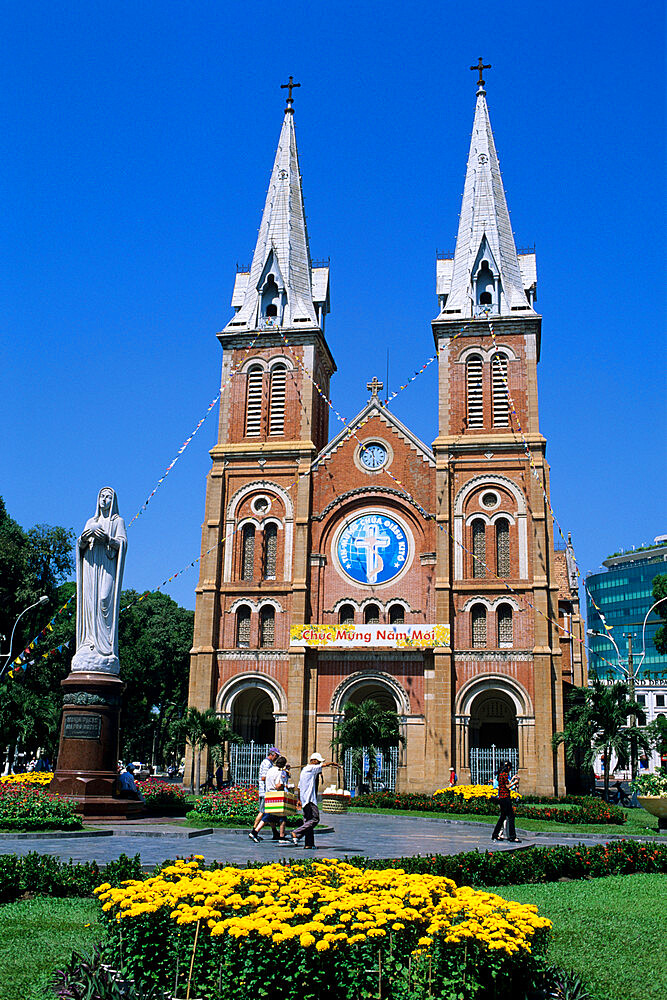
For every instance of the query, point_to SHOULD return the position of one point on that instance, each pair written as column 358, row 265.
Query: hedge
column 578, row 809
column 46, row 875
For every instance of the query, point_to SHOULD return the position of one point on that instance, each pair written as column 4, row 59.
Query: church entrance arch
column 493, row 721
column 252, row 716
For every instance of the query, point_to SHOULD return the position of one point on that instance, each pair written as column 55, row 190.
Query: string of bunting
column 538, row 478
column 234, row 371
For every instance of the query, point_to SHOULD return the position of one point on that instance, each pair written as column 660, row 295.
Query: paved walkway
column 352, row 834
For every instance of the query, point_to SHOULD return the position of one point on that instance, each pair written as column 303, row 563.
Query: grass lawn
column 610, row 931
column 38, row 936
column 639, row 822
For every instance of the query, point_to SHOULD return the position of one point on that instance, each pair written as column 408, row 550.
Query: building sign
column 358, row 636
column 372, row 548
column 82, row 727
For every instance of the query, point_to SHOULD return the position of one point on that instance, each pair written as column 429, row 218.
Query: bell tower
column 496, row 582
column 254, row 571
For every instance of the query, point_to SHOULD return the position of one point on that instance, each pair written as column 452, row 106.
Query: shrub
column 161, row 793
column 27, row 806
column 322, row 928
column 468, row 792
column 39, row 778
column 650, row 784
column 46, row 875
column 232, row 805
column 580, row 809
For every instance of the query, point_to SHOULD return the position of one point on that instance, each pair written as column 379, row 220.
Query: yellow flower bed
column 474, row 792
column 40, row 778
column 326, row 906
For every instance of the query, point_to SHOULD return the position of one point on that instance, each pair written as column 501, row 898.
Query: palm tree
column 597, row 723
column 366, row 727
column 201, row 730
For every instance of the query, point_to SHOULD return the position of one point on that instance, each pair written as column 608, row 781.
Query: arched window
column 248, row 552
column 253, row 419
column 478, row 626
column 372, row 614
column 397, row 614
column 346, row 615
column 474, row 391
column 267, row 626
column 505, row 629
column 243, row 626
column 501, row 410
column 503, row 547
column 478, row 549
column 270, row 551
column 270, row 296
column 277, row 411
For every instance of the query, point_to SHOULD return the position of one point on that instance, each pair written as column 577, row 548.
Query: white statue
column 100, row 558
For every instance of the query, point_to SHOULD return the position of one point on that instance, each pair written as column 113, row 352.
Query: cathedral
column 373, row 564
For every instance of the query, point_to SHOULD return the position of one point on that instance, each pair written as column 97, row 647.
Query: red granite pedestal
column 86, row 770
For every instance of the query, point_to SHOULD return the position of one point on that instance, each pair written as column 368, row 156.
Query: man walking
column 261, row 817
column 308, row 781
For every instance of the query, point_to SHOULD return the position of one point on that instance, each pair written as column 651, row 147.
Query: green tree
column 596, row 722
column 660, row 591
column 366, row 727
column 154, row 642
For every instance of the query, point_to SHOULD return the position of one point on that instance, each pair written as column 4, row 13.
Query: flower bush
column 26, row 806
column 327, row 927
column 234, row 806
column 650, row 784
column 161, row 793
column 468, row 792
column 574, row 810
column 39, row 778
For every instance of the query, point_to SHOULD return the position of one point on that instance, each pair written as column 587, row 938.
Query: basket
column 280, row 803
column 335, row 803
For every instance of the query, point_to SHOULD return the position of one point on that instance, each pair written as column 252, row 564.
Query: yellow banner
column 359, row 636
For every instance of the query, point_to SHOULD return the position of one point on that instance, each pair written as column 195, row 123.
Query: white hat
column 318, row 757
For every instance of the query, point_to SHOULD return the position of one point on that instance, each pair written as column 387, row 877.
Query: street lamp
column 662, row 599
column 607, row 635
column 42, row 600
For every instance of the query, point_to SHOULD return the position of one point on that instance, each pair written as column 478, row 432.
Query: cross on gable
column 481, row 65
column 375, row 385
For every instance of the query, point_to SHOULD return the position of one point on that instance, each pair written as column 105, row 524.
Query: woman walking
column 505, row 800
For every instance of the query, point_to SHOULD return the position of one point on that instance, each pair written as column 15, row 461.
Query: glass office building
column 624, row 593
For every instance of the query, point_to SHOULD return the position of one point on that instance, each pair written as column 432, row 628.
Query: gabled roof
column 282, row 233
column 484, row 215
column 375, row 408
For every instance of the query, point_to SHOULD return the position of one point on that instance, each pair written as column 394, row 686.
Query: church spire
column 485, row 275
column 278, row 291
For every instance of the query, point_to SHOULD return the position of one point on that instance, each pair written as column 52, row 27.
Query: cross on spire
column 289, row 87
column 481, row 65
column 375, row 385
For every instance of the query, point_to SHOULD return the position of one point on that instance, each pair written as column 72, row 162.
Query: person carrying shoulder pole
column 308, row 781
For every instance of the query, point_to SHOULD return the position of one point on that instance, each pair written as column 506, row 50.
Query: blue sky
column 137, row 141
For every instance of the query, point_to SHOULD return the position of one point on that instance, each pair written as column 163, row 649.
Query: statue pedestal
column 86, row 771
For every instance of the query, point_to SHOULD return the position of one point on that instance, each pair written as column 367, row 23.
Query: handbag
column 280, row 803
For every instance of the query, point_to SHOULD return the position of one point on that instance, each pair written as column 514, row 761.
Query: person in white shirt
column 274, row 782
column 260, row 819
column 308, row 782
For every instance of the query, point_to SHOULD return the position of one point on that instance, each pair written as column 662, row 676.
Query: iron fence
column 384, row 776
column 244, row 761
column 485, row 761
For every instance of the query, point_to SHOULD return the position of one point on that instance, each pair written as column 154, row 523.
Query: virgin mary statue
column 100, row 557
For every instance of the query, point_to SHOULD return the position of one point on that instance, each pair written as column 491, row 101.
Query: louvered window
column 474, row 390
column 346, row 615
column 253, row 422
column 243, row 626
column 478, row 549
column 372, row 614
column 397, row 614
column 501, row 412
column 503, row 547
column 277, row 414
column 505, row 630
column 478, row 618
column 248, row 553
column 267, row 626
column 270, row 551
